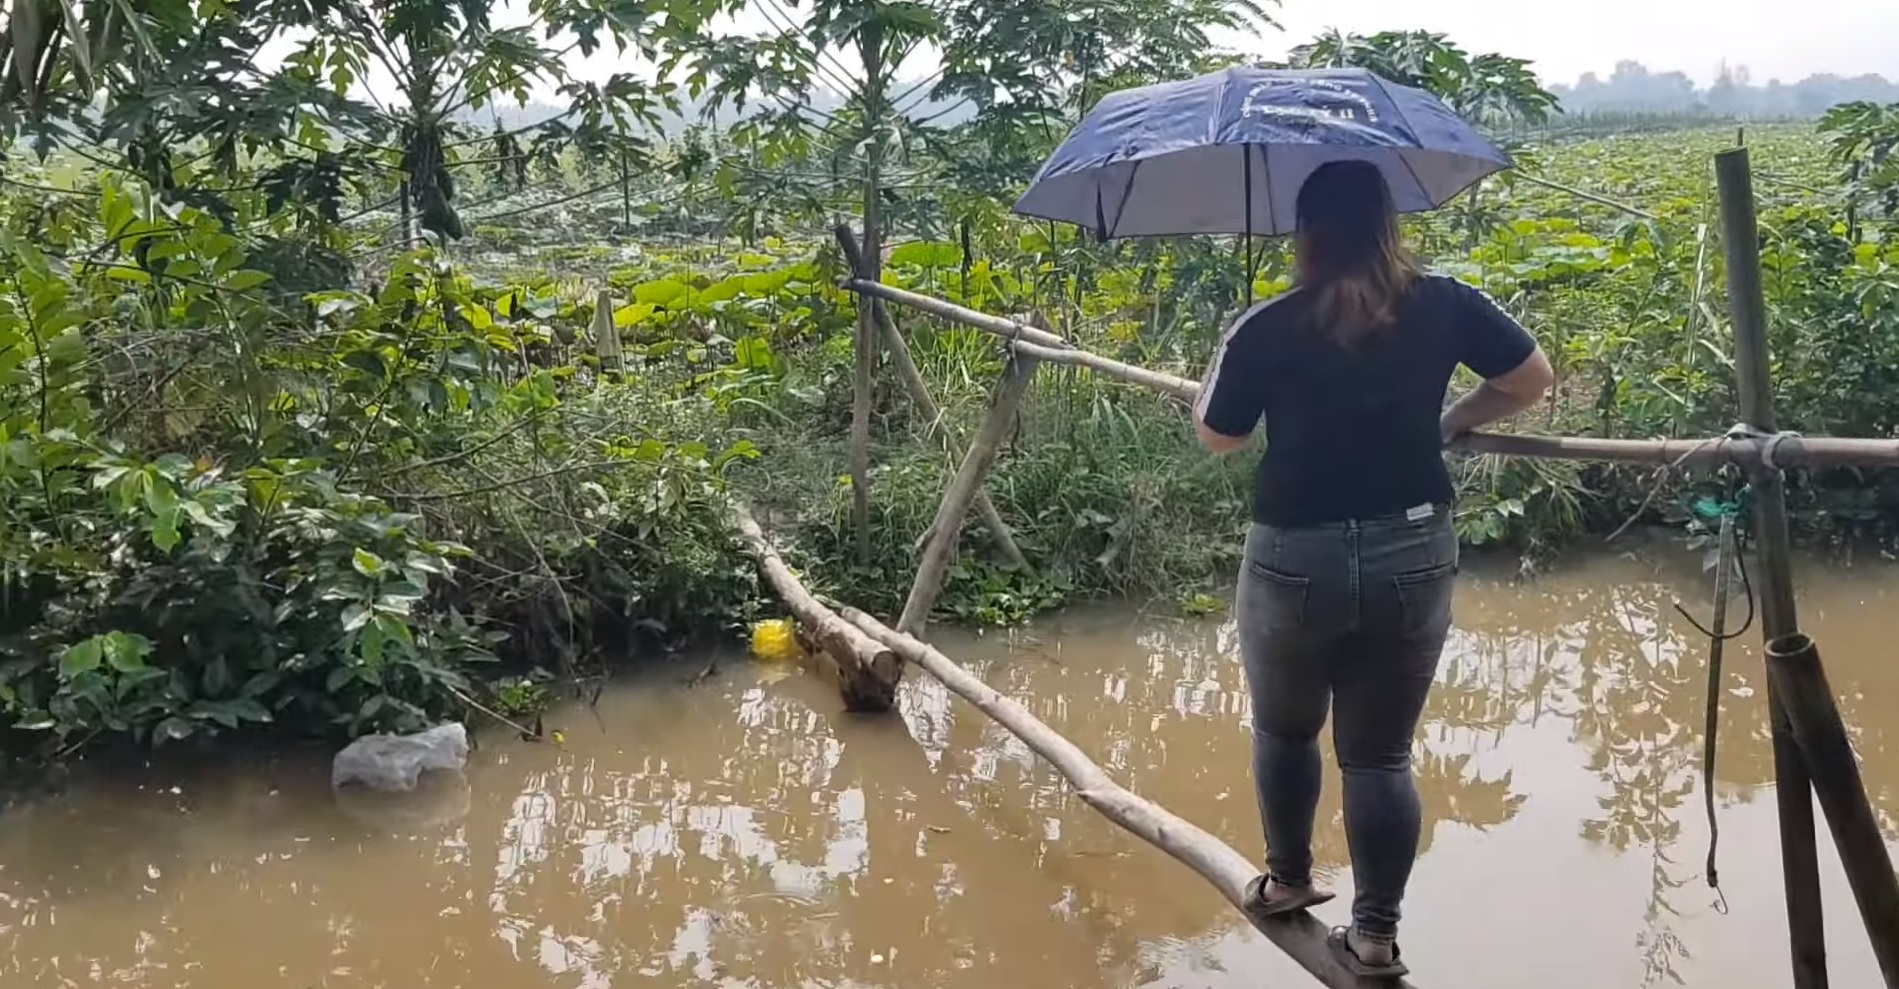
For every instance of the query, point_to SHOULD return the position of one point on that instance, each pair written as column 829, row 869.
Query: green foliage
column 1489, row 89
column 224, row 508
column 1864, row 143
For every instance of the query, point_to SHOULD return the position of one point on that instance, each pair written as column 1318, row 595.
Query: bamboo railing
column 1811, row 748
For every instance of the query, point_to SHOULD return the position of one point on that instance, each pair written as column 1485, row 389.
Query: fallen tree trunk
column 867, row 673
column 1301, row 936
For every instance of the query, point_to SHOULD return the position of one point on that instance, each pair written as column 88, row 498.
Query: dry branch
column 1301, row 936
column 867, row 673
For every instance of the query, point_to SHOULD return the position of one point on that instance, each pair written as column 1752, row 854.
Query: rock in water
column 395, row 762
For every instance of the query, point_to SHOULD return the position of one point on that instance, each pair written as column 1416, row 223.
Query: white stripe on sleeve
column 1212, row 379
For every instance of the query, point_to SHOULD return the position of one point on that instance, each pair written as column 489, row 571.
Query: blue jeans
column 1350, row 616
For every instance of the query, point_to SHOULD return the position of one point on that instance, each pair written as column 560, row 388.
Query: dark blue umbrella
column 1226, row 152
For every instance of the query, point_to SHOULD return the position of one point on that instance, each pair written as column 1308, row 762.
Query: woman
column 1345, row 593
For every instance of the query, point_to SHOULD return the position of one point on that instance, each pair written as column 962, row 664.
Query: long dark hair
column 1350, row 256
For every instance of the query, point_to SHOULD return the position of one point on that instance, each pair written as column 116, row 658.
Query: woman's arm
column 1231, row 399
column 1216, row 441
column 1499, row 397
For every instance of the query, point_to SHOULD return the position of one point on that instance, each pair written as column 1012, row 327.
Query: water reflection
column 747, row 833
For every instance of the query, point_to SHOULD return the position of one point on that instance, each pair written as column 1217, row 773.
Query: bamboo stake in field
column 1301, row 936
column 919, row 389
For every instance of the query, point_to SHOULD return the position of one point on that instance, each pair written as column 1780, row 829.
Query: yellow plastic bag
column 775, row 640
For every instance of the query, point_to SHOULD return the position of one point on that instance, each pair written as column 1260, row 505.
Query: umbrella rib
column 1379, row 81
column 1398, row 108
column 1426, row 193
column 1127, row 189
column 1267, row 168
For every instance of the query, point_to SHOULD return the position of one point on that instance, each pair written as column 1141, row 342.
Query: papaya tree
column 1490, row 90
column 445, row 61
column 1863, row 143
column 368, row 88
column 824, row 95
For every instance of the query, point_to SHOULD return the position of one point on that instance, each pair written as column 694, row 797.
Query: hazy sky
column 1784, row 39
column 1787, row 39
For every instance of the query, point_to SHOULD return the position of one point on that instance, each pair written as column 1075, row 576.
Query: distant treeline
column 1634, row 91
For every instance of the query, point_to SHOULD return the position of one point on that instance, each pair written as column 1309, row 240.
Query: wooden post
column 941, row 548
column 870, row 46
column 920, row 394
column 1799, row 856
column 1799, row 680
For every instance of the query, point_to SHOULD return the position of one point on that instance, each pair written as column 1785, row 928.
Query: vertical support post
column 920, row 394
column 861, row 381
column 870, row 45
column 626, row 191
column 941, row 548
column 1799, row 854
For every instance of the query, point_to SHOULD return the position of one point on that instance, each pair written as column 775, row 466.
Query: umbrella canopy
column 1226, row 152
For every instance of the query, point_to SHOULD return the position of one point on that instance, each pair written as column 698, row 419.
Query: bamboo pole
column 1784, row 450
column 1159, row 381
column 955, row 313
column 919, row 389
column 1799, row 856
column 867, row 673
column 1300, row 935
column 948, row 526
column 863, row 376
column 1580, row 194
column 1798, row 678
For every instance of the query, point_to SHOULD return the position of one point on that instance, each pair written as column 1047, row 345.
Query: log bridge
column 1812, row 752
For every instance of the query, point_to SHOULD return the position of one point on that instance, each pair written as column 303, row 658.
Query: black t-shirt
column 1353, row 434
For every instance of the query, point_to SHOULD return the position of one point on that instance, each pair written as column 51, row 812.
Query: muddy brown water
column 744, row 833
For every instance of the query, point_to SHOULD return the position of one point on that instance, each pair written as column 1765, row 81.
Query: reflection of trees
column 1612, row 658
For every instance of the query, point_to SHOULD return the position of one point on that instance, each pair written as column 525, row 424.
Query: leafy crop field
column 340, row 430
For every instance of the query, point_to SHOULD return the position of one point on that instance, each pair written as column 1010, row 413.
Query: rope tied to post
column 1769, row 442
column 1728, row 562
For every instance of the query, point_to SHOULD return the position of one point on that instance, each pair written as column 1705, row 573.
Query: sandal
column 1342, row 951
column 1266, row 897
